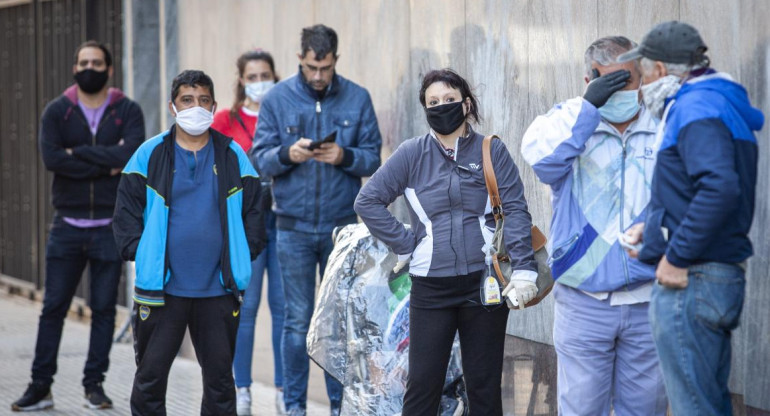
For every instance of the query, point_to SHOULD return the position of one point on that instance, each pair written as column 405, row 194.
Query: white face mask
column 655, row 93
column 621, row 106
column 256, row 90
column 195, row 120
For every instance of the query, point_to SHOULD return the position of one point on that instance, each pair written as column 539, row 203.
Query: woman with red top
column 256, row 75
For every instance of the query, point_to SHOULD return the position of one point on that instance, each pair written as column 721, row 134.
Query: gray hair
column 679, row 70
column 605, row 51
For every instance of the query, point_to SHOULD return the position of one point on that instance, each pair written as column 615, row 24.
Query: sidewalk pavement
column 18, row 331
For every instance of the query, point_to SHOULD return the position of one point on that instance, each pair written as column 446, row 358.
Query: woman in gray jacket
column 441, row 176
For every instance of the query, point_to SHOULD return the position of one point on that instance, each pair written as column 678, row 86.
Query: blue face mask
column 621, row 107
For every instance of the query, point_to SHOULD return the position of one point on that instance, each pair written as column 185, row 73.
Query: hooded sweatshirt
column 82, row 184
column 703, row 186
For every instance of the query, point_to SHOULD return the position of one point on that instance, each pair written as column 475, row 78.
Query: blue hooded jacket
column 314, row 196
column 703, row 187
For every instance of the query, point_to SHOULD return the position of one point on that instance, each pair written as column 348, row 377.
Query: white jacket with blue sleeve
column 600, row 180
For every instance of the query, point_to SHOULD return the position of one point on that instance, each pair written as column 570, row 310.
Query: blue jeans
column 299, row 254
column 244, row 344
column 605, row 356
column 691, row 328
column 68, row 251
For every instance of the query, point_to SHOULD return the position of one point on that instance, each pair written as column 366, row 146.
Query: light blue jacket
column 140, row 223
column 600, row 182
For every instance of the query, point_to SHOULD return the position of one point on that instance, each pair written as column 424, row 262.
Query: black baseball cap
column 671, row 42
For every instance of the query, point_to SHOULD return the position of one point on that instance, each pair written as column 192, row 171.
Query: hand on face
column 601, row 88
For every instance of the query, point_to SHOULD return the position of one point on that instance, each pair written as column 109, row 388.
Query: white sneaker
column 280, row 405
column 243, row 401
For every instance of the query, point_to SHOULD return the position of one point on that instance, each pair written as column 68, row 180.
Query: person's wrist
column 284, row 155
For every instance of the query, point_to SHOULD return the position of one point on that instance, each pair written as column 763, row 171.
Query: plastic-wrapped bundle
column 359, row 332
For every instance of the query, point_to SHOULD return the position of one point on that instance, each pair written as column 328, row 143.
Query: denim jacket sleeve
column 267, row 141
column 366, row 155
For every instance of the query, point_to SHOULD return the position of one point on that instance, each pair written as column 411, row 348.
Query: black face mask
column 445, row 118
column 91, row 81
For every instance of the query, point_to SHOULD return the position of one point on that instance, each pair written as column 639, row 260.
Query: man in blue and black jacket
column 314, row 184
column 700, row 213
column 188, row 213
column 86, row 137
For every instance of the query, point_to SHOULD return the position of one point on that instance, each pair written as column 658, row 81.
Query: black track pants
column 213, row 324
column 482, row 340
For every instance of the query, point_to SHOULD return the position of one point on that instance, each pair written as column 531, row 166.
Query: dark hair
column 95, row 44
column 453, row 80
column 321, row 39
column 240, row 91
column 191, row 78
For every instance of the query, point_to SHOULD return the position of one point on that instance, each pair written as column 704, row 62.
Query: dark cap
column 670, row 42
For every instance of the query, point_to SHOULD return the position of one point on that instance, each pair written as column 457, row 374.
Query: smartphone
column 625, row 244
column 328, row 139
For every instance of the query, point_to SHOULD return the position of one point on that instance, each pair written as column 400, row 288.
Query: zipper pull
column 318, row 107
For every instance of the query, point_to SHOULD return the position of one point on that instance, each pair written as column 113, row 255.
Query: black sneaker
column 95, row 397
column 37, row 397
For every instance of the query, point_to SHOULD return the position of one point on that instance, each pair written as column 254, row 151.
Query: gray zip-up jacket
column 449, row 207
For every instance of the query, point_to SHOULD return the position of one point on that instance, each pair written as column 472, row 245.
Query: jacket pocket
column 291, row 130
column 564, row 255
column 560, row 251
column 347, row 129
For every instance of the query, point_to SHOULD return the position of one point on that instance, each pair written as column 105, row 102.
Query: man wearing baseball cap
column 700, row 212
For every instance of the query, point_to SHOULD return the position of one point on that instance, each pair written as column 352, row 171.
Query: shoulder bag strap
column 538, row 238
column 243, row 125
column 489, row 177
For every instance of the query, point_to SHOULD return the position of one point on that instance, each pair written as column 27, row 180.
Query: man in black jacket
column 86, row 137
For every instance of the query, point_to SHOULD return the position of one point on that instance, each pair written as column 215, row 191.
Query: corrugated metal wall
column 36, row 58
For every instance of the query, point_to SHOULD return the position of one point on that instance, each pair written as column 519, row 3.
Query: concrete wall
column 522, row 56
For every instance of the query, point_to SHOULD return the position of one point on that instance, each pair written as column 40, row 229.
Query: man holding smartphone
column 313, row 188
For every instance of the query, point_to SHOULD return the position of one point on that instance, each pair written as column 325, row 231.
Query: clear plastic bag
column 359, row 332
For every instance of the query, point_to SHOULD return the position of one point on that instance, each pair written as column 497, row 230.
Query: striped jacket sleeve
column 553, row 141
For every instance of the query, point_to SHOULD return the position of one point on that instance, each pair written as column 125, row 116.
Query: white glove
column 520, row 292
column 403, row 260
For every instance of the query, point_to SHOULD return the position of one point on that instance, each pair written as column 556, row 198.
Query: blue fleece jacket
column 703, row 187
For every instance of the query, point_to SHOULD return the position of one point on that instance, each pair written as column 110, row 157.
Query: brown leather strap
column 489, row 176
column 538, row 238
